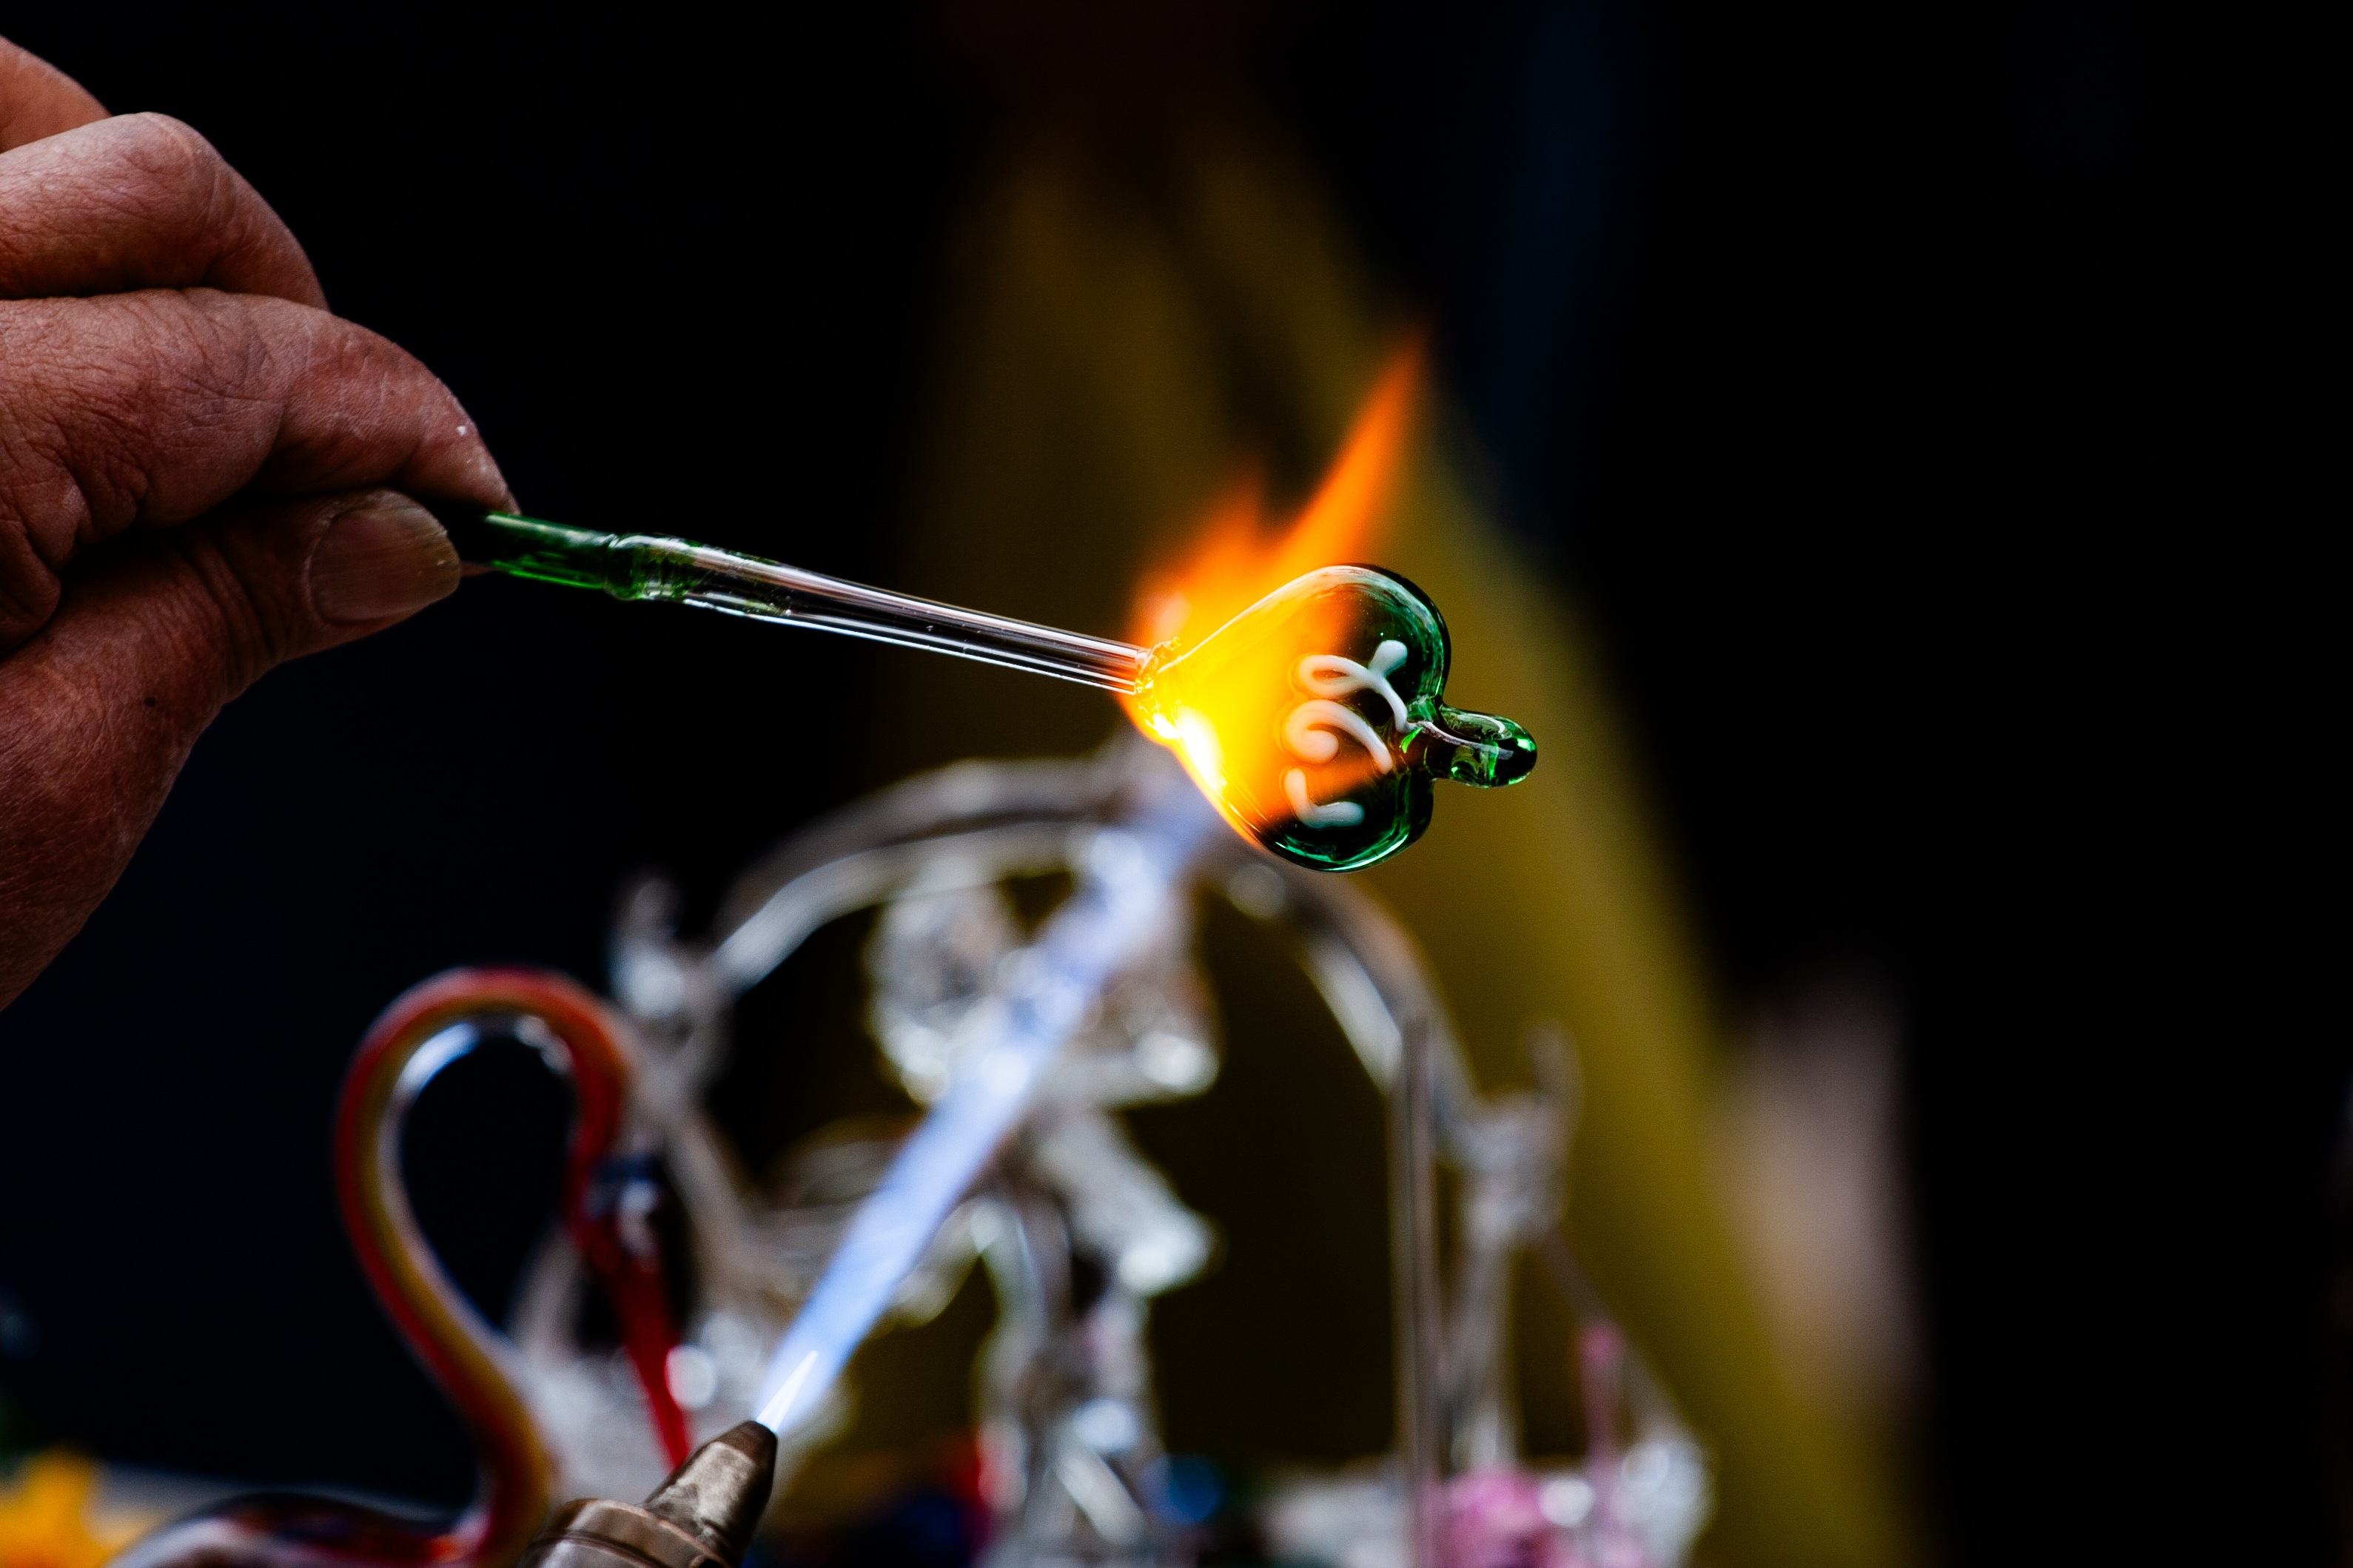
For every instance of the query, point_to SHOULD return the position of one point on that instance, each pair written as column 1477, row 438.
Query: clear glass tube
column 651, row 566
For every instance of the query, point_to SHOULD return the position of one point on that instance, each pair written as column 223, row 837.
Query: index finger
column 38, row 100
column 152, row 408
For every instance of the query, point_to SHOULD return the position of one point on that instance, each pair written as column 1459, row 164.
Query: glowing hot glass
column 1315, row 719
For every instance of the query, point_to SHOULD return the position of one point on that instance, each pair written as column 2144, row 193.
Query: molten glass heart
column 1315, row 719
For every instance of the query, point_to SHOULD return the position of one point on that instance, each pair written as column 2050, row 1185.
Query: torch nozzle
column 703, row 1516
column 719, row 1494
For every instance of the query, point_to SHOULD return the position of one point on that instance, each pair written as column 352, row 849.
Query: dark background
column 1917, row 404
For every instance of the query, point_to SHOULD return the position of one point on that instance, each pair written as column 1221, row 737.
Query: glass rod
column 651, row 566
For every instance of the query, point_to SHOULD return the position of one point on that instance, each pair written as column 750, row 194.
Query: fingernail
column 386, row 558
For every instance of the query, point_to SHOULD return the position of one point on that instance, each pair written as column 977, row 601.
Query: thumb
column 104, row 704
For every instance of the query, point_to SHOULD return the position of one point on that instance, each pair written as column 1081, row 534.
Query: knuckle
column 29, row 586
column 184, row 187
column 126, row 177
column 163, row 145
column 41, row 492
column 361, row 408
column 219, row 216
column 227, row 346
column 149, row 406
column 231, row 627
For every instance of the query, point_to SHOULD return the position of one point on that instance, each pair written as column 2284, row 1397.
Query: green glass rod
column 650, row 566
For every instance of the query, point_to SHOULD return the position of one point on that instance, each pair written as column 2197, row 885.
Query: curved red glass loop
column 434, row 1321
column 473, row 1364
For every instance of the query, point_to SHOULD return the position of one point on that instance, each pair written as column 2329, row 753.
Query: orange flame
column 1226, row 718
column 1236, row 564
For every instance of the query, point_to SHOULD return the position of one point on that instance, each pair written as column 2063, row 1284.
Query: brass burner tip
column 703, row 1516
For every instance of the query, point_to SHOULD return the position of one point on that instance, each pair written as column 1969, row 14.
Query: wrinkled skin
column 203, row 473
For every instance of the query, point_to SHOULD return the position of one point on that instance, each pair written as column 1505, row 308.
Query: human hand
column 200, row 478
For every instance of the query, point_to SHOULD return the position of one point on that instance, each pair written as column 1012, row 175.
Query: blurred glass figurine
column 1067, row 1417
column 1078, row 1231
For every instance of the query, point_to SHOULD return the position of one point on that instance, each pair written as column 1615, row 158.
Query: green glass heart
column 1316, row 717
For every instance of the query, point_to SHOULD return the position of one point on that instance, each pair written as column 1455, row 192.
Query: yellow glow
column 1223, row 712
column 48, row 1517
column 1202, row 752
